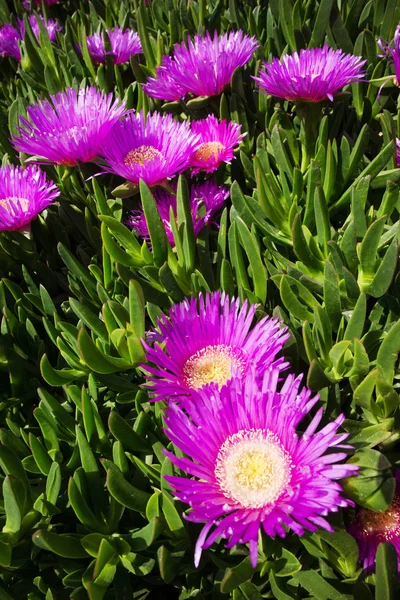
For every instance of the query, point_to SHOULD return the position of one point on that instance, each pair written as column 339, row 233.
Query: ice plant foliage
column 24, row 193
column 153, row 148
column 393, row 53
column 205, row 200
column 203, row 67
column 69, row 128
column 124, row 44
column 218, row 140
column 312, row 75
column 52, row 27
column 9, row 37
column 252, row 469
column 208, row 340
column 370, row 528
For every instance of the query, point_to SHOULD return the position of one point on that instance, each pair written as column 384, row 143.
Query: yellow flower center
column 213, row 364
column 13, row 201
column 208, row 150
column 252, row 468
column 142, row 155
column 384, row 524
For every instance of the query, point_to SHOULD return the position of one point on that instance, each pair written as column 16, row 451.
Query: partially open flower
column 52, row 27
column 124, row 44
column 24, row 193
column 218, row 140
column 249, row 468
column 205, row 200
column 392, row 52
column 9, row 38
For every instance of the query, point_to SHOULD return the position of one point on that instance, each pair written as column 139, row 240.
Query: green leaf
column 317, row 586
column 385, row 273
column 388, row 352
column 355, row 326
column 258, row 271
column 67, row 546
column 126, row 435
column 285, row 17
column 386, row 572
column 235, row 576
column 185, row 221
column 321, row 23
column 332, row 300
column 125, row 493
column 158, row 237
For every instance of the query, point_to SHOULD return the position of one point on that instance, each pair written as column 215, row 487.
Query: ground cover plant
column 199, row 228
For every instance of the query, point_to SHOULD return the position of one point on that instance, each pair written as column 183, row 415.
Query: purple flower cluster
column 203, row 67
column 249, row 468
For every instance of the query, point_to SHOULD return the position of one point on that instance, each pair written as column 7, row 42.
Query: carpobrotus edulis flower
column 253, row 470
column 393, row 53
column 153, row 148
column 52, row 27
column 313, row 75
column 124, row 44
column 24, row 193
column 218, row 140
column 205, row 200
column 203, row 67
column 70, row 128
column 370, row 528
column 9, row 37
column 210, row 339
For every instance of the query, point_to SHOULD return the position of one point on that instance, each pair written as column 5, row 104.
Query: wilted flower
column 24, row 193
column 9, row 37
column 311, row 76
column 208, row 340
column 151, row 149
column 205, row 200
column 393, row 53
column 52, row 27
column 253, row 470
column 124, row 44
column 218, row 140
column 370, row 528
column 203, row 67
column 70, row 128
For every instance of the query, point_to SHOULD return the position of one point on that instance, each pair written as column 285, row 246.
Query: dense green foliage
column 85, row 510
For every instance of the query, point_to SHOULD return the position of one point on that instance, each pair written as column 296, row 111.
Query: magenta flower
column 24, row 193
column 152, row 149
column 370, row 528
column 252, row 469
column 218, row 140
column 209, row 339
column 311, row 76
column 205, row 200
column 52, row 27
column 124, row 44
column 70, row 128
column 397, row 152
column 203, row 67
column 9, row 38
column 393, row 53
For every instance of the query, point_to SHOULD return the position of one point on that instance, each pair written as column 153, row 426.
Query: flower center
column 12, row 201
column 208, row 150
column 252, row 467
column 213, row 364
column 382, row 524
column 142, row 155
